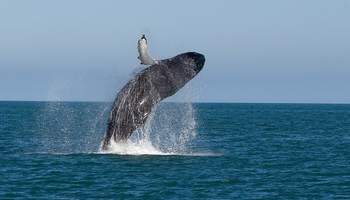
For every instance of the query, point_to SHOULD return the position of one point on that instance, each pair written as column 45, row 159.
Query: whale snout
column 199, row 60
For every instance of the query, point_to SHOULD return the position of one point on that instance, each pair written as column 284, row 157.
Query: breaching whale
column 135, row 100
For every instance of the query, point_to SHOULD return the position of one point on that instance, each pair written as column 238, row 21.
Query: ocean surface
column 50, row 150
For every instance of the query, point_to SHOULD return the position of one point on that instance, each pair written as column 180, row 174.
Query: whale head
column 188, row 61
column 170, row 75
column 183, row 67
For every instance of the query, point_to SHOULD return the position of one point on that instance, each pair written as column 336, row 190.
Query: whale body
column 135, row 100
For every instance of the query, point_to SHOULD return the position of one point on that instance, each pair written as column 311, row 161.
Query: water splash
column 66, row 128
column 173, row 127
column 70, row 127
column 130, row 147
column 169, row 130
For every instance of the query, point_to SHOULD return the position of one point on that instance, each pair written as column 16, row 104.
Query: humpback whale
column 134, row 102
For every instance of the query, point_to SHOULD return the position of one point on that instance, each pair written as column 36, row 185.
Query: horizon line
column 196, row 102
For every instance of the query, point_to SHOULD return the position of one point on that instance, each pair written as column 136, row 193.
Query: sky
column 256, row 51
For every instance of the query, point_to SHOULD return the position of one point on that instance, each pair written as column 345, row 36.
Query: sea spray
column 70, row 127
column 170, row 129
column 173, row 127
column 66, row 127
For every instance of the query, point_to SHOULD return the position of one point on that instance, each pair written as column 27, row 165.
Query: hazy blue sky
column 257, row 51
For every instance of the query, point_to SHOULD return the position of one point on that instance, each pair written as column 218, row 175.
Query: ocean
column 50, row 150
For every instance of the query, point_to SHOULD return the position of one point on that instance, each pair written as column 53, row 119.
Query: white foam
column 132, row 148
column 145, row 147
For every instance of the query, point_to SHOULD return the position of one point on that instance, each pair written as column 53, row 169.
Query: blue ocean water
column 50, row 150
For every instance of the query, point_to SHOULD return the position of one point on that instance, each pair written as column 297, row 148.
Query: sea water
column 51, row 150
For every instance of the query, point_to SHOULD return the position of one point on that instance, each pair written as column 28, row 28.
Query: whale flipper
column 144, row 55
column 136, row 99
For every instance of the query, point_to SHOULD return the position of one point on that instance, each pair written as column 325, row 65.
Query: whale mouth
column 199, row 60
